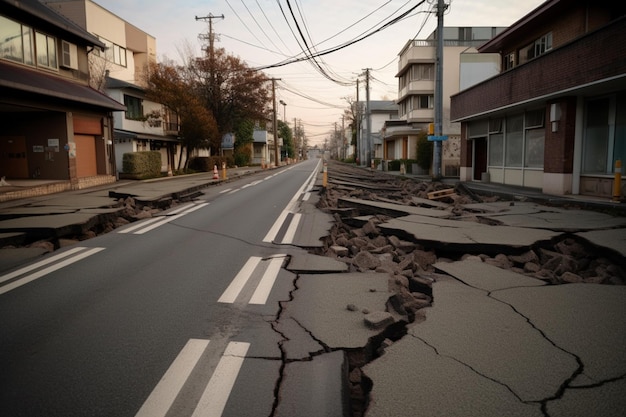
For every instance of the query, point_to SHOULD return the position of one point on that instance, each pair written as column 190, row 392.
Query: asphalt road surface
column 169, row 316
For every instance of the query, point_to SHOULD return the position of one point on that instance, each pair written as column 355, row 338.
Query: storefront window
column 514, row 141
column 496, row 148
column 533, row 156
column 596, row 144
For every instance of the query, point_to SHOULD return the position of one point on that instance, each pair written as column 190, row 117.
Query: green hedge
column 141, row 165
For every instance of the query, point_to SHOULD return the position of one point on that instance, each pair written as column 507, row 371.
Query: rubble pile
column 357, row 240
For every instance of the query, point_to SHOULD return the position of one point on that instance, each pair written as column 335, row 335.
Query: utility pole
column 210, row 18
column 275, row 123
column 368, row 114
column 357, row 116
column 441, row 8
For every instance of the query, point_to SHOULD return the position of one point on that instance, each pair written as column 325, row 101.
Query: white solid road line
column 165, row 219
column 220, row 385
column 267, row 281
column 18, row 283
column 235, row 287
column 39, row 264
column 291, row 231
column 290, row 208
column 164, row 394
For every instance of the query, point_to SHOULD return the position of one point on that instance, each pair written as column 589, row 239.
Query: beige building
column 416, row 91
column 119, row 71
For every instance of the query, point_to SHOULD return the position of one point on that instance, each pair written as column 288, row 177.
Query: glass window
column 596, row 145
column 496, row 147
column 29, row 45
column 533, row 156
column 11, row 40
column 619, row 151
column 134, row 109
column 514, row 141
column 423, row 72
column 46, row 50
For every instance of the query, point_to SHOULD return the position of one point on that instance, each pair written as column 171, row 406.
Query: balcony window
column 420, row 72
column 537, row 48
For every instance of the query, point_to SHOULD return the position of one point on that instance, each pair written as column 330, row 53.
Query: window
column 134, row 109
column 16, row 41
column 46, row 50
column 509, row 61
column 113, row 52
column 534, row 138
column 537, row 48
column 423, row 102
column 423, row 72
column 496, row 147
column 514, row 141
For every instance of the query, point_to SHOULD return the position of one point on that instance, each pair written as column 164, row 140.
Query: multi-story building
column 120, row 71
column 416, row 91
column 54, row 125
column 554, row 118
column 380, row 112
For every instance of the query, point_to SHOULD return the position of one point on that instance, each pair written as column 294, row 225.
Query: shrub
column 141, row 165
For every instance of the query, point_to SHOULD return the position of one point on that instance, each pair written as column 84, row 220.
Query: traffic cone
column 215, row 174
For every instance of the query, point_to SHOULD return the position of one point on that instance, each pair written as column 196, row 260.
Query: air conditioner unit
column 69, row 55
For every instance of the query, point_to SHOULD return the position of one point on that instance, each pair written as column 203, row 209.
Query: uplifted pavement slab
column 606, row 400
column 468, row 236
column 315, row 388
column 614, row 239
column 587, row 320
column 491, row 338
column 378, row 207
column 413, row 379
column 320, row 305
column 559, row 219
column 308, row 263
column 478, row 274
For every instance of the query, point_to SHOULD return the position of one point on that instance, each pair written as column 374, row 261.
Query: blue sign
column 228, row 141
column 437, row 138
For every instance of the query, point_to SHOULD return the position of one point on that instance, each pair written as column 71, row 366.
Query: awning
column 17, row 80
column 126, row 134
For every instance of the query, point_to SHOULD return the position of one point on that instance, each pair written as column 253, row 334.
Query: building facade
column 55, row 126
column 380, row 112
column 554, row 118
column 120, row 72
column 416, row 92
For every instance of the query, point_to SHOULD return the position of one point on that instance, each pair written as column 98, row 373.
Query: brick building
column 554, row 118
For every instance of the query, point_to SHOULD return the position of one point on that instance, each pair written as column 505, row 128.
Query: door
column 480, row 157
column 85, row 156
column 13, row 161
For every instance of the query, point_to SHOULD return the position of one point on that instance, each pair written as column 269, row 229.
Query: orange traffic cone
column 215, row 174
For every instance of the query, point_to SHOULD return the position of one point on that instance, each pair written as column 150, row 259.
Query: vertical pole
column 617, row 182
column 368, row 121
column 275, row 127
column 438, row 91
column 358, row 115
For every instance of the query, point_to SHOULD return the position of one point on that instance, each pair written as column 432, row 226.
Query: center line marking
column 267, row 281
column 164, row 394
column 220, row 385
column 235, row 287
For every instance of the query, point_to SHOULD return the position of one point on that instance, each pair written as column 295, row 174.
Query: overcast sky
column 262, row 34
